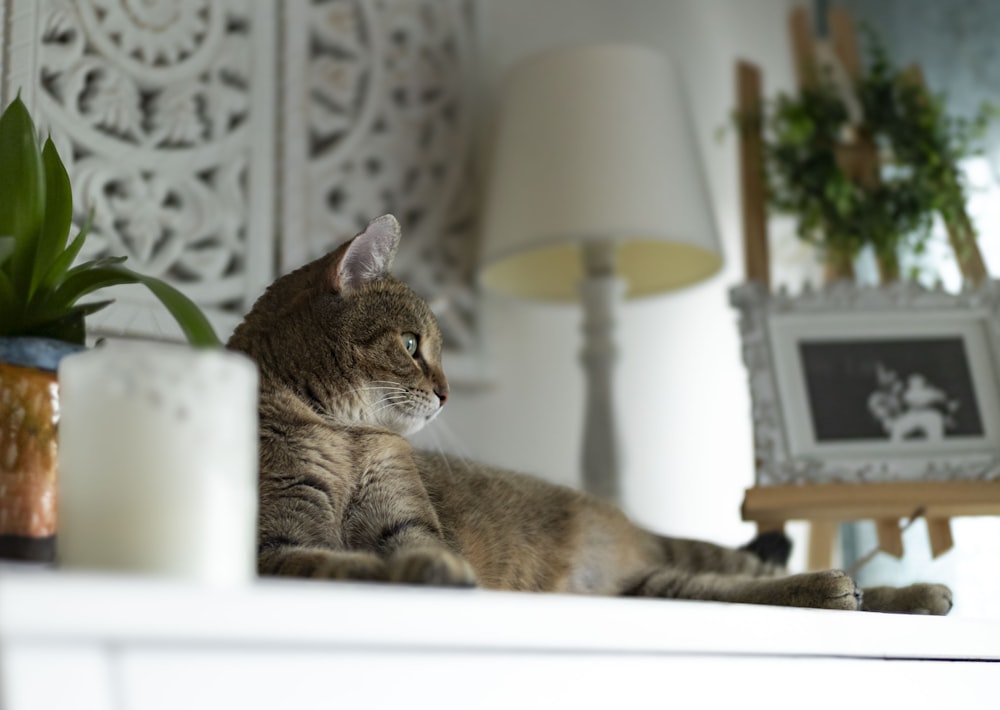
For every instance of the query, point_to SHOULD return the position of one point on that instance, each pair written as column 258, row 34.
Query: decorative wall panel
column 222, row 142
column 162, row 112
column 377, row 119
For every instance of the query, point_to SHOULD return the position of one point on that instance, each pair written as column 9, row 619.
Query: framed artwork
column 855, row 384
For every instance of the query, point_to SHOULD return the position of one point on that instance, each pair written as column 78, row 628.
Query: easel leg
column 822, row 535
column 939, row 532
column 768, row 526
column 890, row 537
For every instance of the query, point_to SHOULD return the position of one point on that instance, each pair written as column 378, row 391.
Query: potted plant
column 875, row 180
column 42, row 317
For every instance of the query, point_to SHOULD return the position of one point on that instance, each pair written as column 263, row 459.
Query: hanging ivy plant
column 816, row 171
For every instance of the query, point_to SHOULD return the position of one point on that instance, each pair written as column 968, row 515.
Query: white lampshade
column 594, row 144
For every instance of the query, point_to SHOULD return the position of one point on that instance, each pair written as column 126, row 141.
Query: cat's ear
column 368, row 256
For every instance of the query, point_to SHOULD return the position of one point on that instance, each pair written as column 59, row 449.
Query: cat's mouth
column 410, row 415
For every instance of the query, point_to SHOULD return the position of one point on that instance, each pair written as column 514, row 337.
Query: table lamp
column 596, row 193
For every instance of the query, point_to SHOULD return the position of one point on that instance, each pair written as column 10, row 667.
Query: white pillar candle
column 158, row 461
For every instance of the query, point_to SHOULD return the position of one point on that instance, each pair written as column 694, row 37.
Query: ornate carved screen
column 223, row 142
column 376, row 118
column 162, row 114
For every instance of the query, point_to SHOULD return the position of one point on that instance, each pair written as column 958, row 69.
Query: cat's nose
column 442, row 393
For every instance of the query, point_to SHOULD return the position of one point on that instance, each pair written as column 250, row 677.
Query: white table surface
column 119, row 641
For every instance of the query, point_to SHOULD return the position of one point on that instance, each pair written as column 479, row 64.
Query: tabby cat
column 350, row 364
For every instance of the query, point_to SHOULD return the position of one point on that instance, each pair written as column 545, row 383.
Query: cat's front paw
column 431, row 566
column 933, row 599
column 830, row 589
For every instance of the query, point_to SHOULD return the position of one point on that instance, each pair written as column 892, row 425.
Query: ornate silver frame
column 778, row 414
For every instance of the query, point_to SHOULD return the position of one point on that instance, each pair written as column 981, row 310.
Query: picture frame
column 853, row 384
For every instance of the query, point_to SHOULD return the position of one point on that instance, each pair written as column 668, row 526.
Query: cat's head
column 345, row 337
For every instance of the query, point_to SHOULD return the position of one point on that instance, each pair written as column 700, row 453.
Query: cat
column 350, row 365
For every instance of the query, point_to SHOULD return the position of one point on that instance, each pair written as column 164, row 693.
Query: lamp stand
column 600, row 292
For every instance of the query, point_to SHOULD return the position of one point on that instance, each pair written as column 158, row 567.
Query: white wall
column 682, row 393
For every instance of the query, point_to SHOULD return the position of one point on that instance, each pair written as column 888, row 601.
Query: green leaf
column 6, row 249
column 70, row 326
column 189, row 317
column 66, row 295
column 95, row 264
column 197, row 329
column 58, row 215
column 86, row 281
column 65, row 324
column 57, row 270
column 39, row 286
column 7, row 308
column 22, row 184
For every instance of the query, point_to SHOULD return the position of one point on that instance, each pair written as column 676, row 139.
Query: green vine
column 916, row 176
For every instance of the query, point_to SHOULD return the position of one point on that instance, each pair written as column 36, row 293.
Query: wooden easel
column 824, row 506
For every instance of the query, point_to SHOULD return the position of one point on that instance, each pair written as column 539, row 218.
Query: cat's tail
column 774, row 547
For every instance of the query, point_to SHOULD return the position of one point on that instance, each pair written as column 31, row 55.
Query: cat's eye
column 410, row 343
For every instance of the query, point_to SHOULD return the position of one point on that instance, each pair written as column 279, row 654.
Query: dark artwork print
column 913, row 389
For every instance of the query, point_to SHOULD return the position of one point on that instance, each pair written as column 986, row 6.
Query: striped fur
column 343, row 494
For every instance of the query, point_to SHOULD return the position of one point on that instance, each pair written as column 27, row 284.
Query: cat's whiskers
column 391, row 392
column 439, row 450
column 369, row 388
column 391, row 399
column 441, row 431
column 388, row 396
column 393, row 396
column 388, row 402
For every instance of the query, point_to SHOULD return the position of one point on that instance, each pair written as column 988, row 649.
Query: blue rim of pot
column 39, row 353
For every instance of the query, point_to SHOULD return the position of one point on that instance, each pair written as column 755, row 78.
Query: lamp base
column 601, row 293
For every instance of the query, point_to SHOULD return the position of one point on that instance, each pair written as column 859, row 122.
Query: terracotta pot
column 29, row 417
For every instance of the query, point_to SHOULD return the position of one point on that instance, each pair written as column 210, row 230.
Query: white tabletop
column 47, row 605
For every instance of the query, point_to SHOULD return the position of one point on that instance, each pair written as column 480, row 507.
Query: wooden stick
column 961, row 234
column 871, row 501
column 888, row 271
column 962, row 237
column 822, row 536
column 890, row 537
column 803, row 46
column 766, row 526
column 845, row 41
column 859, row 159
column 837, row 267
column 939, row 532
column 870, row 555
column 756, row 256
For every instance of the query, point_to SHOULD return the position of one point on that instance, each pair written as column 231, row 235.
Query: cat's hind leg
column 764, row 556
column 934, row 599
column 818, row 590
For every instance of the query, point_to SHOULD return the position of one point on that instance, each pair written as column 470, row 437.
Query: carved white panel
column 211, row 136
column 163, row 112
column 377, row 119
